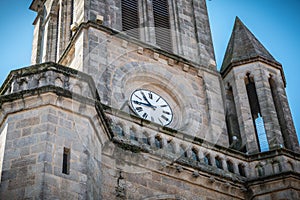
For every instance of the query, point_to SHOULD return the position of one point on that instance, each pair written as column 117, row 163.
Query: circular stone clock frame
column 151, row 106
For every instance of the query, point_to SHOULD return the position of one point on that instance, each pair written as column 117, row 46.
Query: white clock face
column 151, row 106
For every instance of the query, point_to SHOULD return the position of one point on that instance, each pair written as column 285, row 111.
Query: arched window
column 182, row 151
column 130, row 17
column 206, row 159
column 145, row 139
column 170, row 146
column 132, row 135
column 256, row 114
column 260, row 170
column 230, row 166
column 162, row 24
column 276, row 167
column 158, row 142
column 218, row 162
column 232, row 121
column 194, row 155
column 42, row 35
column 242, row 170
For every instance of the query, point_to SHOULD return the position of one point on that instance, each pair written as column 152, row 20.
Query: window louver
column 162, row 24
column 130, row 18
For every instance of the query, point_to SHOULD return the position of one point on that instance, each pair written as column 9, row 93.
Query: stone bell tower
column 162, row 46
column 255, row 88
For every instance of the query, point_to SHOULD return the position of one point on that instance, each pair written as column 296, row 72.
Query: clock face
column 151, row 106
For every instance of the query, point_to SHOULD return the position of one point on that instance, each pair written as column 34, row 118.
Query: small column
column 268, row 111
column 243, row 110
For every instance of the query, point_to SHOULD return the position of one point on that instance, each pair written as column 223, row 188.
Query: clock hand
column 141, row 103
column 145, row 98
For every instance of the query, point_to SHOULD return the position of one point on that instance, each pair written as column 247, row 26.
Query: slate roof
column 244, row 47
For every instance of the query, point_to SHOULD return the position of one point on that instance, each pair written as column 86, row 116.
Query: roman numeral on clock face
column 145, row 115
column 165, row 118
column 139, row 109
column 166, row 112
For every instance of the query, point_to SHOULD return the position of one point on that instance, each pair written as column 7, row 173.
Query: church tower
column 124, row 101
column 162, row 46
column 258, row 111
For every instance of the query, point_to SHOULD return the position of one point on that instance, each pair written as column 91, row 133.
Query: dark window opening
column 66, row 161
column 162, row 24
column 158, row 142
column 256, row 114
column 146, row 140
column 71, row 16
column 218, row 163
column 230, row 166
column 242, row 170
column 132, row 135
column 130, row 18
column 260, row 171
column 232, row 122
column 207, row 159
column 195, row 155
column 183, row 151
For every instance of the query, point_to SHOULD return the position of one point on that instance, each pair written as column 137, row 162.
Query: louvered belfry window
column 130, row 18
column 162, row 24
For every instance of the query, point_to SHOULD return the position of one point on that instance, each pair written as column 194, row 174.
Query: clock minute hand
column 141, row 103
column 145, row 98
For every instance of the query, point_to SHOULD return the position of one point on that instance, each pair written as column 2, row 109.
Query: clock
column 151, row 106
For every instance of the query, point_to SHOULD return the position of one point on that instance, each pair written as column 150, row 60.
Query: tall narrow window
column 130, row 18
column 256, row 114
column 66, row 161
column 56, row 33
column 42, row 36
column 162, row 24
column 71, row 16
column 242, row 170
column 261, row 134
column 232, row 121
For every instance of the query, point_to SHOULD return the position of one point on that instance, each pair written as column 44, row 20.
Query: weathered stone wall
column 120, row 67
column 143, row 176
column 47, row 108
column 42, row 118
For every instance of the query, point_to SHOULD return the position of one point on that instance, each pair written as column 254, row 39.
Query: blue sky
column 276, row 23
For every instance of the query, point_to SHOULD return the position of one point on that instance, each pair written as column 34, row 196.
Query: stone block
column 24, row 161
column 28, row 122
column 25, row 141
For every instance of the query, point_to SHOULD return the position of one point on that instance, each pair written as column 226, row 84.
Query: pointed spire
column 244, row 47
